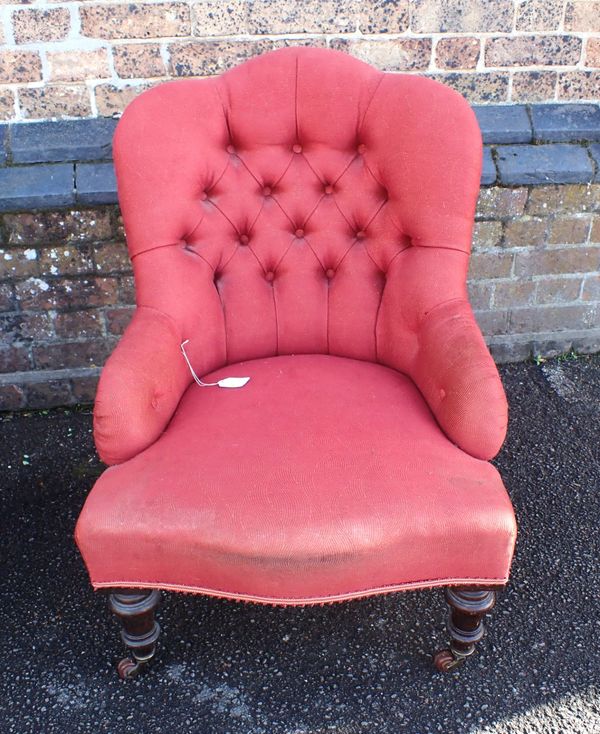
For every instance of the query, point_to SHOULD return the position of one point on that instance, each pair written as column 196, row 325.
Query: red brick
column 20, row 66
column 583, row 15
column 138, row 60
column 12, row 397
column 112, row 258
column 558, row 290
column 400, row 54
column 79, row 324
column 591, row 288
column 308, row 16
column 490, row 265
column 533, row 86
column 65, row 100
column 569, row 198
column 539, row 15
column 514, row 293
column 592, row 52
column 48, row 394
column 84, row 388
column 7, row 104
column 117, row 319
column 72, row 354
column 36, row 293
column 499, row 203
column 480, row 87
column 525, row 232
column 492, row 323
column 480, row 295
column 533, row 51
column 578, row 85
column 86, row 225
column 486, row 235
column 14, row 359
column 7, row 297
column 569, row 230
column 66, row 260
column 18, row 262
column 457, row 53
column 135, row 20
column 209, row 57
column 75, row 65
column 38, row 24
column 381, row 16
column 552, row 318
column 469, row 16
column 560, row 260
column 127, row 290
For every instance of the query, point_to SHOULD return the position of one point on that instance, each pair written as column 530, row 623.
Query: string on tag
column 230, row 382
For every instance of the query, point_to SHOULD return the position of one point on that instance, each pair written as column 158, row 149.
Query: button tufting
column 244, row 239
column 270, row 276
column 297, row 148
column 360, row 235
column 266, row 191
column 231, row 150
column 299, row 232
column 204, row 196
column 361, row 149
column 330, row 272
column 328, row 189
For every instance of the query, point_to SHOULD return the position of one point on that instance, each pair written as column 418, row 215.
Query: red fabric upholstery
column 324, row 478
column 302, row 203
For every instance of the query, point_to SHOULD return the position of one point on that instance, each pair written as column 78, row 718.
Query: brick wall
column 87, row 59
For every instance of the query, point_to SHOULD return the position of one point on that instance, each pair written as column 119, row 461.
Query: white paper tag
column 233, row 381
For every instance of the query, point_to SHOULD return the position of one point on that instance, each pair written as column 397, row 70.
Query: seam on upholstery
column 343, row 257
column 373, row 176
column 225, row 113
column 342, row 213
column 346, row 167
column 258, row 213
column 190, row 248
column 415, row 242
column 296, row 100
column 309, row 164
column 285, row 252
column 235, row 229
column 156, row 247
column 456, row 299
column 223, row 172
column 285, row 170
column 166, row 315
column 283, row 211
column 404, row 249
column 313, row 210
column 276, row 319
column 368, row 107
column 311, row 248
column 195, row 227
column 299, row 601
column 243, row 162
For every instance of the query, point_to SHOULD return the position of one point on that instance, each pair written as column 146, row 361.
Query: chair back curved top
column 303, row 202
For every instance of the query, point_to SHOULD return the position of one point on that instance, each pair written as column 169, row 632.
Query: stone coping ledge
column 44, row 165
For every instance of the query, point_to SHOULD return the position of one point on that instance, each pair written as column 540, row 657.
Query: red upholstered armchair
column 303, row 220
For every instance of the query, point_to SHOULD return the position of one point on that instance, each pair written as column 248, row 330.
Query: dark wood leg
column 468, row 607
column 135, row 608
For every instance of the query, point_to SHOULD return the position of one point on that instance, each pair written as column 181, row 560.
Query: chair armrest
column 458, row 378
column 140, row 387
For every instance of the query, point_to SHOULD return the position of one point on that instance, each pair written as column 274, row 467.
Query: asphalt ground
column 349, row 668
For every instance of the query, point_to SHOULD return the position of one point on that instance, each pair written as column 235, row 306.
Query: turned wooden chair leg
column 135, row 608
column 468, row 607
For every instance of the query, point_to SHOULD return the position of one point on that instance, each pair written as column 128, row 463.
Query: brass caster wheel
column 445, row 661
column 128, row 668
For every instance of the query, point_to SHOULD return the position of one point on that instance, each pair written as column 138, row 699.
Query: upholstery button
column 299, row 232
column 330, row 272
column 270, row 276
column 361, row 149
column 244, row 239
column 360, row 235
column 266, row 191
column 297, row 148
column 204, row 196
column 328, row 189
column 230, row 149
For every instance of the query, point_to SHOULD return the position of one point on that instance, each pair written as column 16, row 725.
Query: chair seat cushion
column 322, row 479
